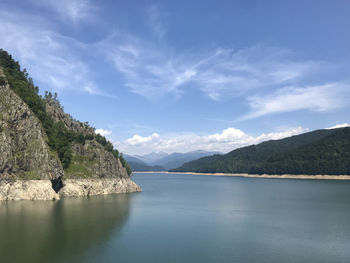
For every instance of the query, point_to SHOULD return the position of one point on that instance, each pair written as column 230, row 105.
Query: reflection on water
column 61, row 231
column 185, row 219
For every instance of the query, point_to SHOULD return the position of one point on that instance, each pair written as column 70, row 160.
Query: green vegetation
column 59, row 137
column 2, row 81
column 318, row 152
column 78, row 167
column 31, row 175
column 125, row 164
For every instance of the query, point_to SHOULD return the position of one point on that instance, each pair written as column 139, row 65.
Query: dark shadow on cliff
column 61, row 231
column 57, row 184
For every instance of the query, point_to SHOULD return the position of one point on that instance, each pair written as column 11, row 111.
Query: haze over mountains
column 162, row 161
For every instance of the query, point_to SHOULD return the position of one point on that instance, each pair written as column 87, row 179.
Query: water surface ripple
column 185, row 218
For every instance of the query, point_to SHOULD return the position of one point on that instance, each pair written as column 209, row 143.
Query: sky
column 179, row 76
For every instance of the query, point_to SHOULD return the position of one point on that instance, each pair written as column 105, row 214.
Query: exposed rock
column 27, row 190
column 91, row 160
column 24, row 153
column 54, row 109
column 30, row 170
column 87, row 187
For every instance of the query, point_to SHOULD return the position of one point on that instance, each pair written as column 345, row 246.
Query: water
column 185, row 218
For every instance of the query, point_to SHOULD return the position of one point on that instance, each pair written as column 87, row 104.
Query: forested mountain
column 318, row 152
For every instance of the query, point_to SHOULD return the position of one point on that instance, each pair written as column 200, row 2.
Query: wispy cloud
column 313, row 98
column 54, row 60
column 146, row 70
column 156, row 21
column 151, row 71
column 73, row 10
column 227, row 140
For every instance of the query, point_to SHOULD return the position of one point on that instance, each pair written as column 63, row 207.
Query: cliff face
column 89, row 159
column 54, row 109
column 24, row 153
column 46, row 154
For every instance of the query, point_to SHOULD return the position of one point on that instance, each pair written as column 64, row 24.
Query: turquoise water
column 185, row 218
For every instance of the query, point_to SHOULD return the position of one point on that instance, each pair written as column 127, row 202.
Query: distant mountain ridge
column 165, row 161
column 319, row 152
column 176, row 159
column 138, row 165
column 151, row 157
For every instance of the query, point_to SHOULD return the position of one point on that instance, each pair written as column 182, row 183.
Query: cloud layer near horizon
column 225, row 141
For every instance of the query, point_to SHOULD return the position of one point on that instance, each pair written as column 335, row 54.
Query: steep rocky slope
column 24, row 152
column 44, row 152
column 90, row 159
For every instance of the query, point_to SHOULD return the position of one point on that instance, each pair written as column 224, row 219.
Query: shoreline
column 270, row 176
column 43, row 189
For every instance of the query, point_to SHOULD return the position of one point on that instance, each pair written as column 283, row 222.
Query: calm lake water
column 185, row 218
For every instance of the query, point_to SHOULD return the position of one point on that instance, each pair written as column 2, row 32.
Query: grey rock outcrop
column 91, row 160
column 24, row 153
column 27, row 164
column 42, row 189
column 54, row 109
column 88, row 187
column 27, row 190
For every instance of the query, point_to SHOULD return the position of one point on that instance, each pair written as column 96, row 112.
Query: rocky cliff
column 24, row 153
column 55, row 110
column 44, row 152
column 90, row 159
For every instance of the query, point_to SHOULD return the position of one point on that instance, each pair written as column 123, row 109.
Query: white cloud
column 314, row 98
column 342, row 125
column 103, row 132
column 227, row 140
column 139, row 140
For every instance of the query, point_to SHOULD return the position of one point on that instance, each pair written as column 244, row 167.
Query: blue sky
column 187, row 75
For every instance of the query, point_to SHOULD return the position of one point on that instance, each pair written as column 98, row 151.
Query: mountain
column 130, row 158
column 40, row 142
column 317, row 152
column 151, row 157
column 162, row 161
column 137, row 165
column 177, row 159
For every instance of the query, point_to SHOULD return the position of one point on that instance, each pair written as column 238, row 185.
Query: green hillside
column 317, row 152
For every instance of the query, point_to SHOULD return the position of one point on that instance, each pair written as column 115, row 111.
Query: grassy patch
column 31, row 175
column 79, row 167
